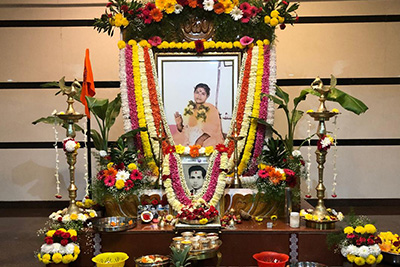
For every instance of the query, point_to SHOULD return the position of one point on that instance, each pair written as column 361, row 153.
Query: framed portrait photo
column 195, row 170
column 198, row 93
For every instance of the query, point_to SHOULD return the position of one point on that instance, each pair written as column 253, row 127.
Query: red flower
column 64, row 242
column 370, row 241
column 334, row 195
column 245, row 7
column 74, row 238
column 109, row 4
column 165, row 177
column 156, row 14
column 286, row 3
column 263, row 174
column 57, row 233
column 48, row 240
column 66, row 235
column 109, row 15
column 302, row 162
column 170, row 149
column 164, row 202
column 129, row 185
column 221, row 148
column 124, row 8
column 109, row 181
column 146, row 216
column 254, row 11
column 308, row 196
column 154, row 202
column 282, row 26
column 291, row 181
column 360, row 241
column 297, row 19
column 144, row 203
column 136, row 175
column 58, row 196
column 100, row 175
column 154, row 41
column 199, row 46
column 350, row 236
column 183, row 2
column 219, row 8
column 120, row 166
column 59, row 219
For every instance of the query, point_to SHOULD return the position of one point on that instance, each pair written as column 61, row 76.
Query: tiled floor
column 19, row 240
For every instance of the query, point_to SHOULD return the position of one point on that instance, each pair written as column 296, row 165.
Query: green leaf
column 50, row 84
column 112, row 111
column 133, row 132
column 293, row 7
column 98, row 106
column 333, row 82
column 97, row 140
column 282, row 94
column 276, row 101
column 296, row 116
column 269, row 126
column 347, row 101
column 301, row 97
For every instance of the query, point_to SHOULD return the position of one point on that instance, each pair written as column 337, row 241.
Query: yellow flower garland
column 140, row 109
column 256, row 110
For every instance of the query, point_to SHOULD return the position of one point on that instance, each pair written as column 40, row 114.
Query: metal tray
column 114, row 224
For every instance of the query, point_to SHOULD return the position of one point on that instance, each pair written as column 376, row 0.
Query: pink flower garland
column 214, row 179
column 131, row 94
column 176, row 181
column 262, row 115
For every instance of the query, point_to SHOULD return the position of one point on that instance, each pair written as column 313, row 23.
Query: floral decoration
column 325, row 142
column 59, row 247
column 164, row 18
column 198, row 211
column 359, row 242
column 389, row 242
column 70, row 145
column 76, row 221
column 333, row 215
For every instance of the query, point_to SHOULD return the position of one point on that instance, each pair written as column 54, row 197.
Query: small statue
column 71, row 91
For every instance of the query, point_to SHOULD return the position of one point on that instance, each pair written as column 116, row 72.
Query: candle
column 294, row 220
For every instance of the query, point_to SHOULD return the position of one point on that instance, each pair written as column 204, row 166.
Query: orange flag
column 88, row 83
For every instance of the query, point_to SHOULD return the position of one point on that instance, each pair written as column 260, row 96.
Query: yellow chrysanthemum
column 57, row 257
column 77, row 250
column 92, row 214
column 172, row 45
column 144, row 43
column 39, row 256
column 274, row 22
column 370, row 228
column 203, row 221
column 262, row 166
column 109, row 165
column 235, row 2
column 359, row 229
column 211, row 44
column 348, row 230
column 185, row 45
column 281, row 19
column 209, row 150
column 132, row 43
column 67, row 258
column 228, row 7
column 260, row 43
column 370, row 259
column 77, row 145
column 359, row 261
column 179, row 149
column 46, row 258
column 266, row 42
column 119, row 184
column 179, row 45
column 169, row 7
column 192, row 45
column 62, row 230
column 379, row 258
column 351, row 257
column 274, row 14
column 160, row 4
column 50, row 233
column 267, row 19
column 72, row 232
column 132, row 166
column 74, row 216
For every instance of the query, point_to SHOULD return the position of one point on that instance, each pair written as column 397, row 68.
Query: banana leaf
column 53, row 120
column 98, row 106
column 112, row 111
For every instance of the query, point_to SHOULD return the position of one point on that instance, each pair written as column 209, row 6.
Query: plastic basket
column 271, row 259
column 110, row 259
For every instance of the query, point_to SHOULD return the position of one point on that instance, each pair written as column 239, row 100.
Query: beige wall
column 350, row 50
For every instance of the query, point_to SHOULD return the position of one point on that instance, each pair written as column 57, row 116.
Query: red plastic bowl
column 271, row 259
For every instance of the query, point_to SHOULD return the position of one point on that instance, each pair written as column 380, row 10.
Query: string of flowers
column 334, row 183
column 85, row 159
column 247, row 154
column 308, row 195
column 57, row 167
column 194, row 151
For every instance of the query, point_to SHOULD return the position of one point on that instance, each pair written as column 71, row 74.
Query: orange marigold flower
column 192, row 3
column 110, row 172
column 156, row 14
column 219, row 8
column 269, row 169
column 275, row 177
column 194, row 151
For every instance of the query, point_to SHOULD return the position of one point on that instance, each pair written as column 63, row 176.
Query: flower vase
column 288, row 204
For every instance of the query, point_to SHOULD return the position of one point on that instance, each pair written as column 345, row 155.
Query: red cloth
column 88, row 83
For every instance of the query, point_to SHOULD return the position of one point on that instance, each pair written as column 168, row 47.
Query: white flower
column 54, row 112
column 208, row 5
column 178, row 9
column 53, row 216
column 340, row 216
column 102, row 153
column 344, row 251
column 236, row 13
column 296, row 153
column 69, row 248
column 66, row 218
column 187, row 150
column 70, row 146
column 375, row 250
column 46, row 248
column 351, row 249
column 202, row 150
column 363, row 251
column 122, row 175
column 82, row 217
column 281, row 171
column 326, row 142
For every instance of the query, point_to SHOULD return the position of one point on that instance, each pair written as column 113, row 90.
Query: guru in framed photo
column 198, row 94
